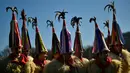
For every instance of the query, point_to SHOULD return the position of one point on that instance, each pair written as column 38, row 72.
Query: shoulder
column 75, row 58
column 53, row 63
column 30, row 58
column 76, row 62
column 55, row 66
column 48, row 61
column 30, row 62
column 91, row 62
column 85, row 59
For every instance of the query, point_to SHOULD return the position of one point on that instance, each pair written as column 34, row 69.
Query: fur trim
column 117, row 65
column 57, row 67
column 37, row 69
column 14, row 68
column 29, row 67
column 126, row 56
column 116, row 62
column 85, row 62
column 77, row 62
column 125, row 61
column 30, row 58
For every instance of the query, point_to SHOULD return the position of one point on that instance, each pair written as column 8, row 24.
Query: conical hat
column 99, row 41
column 25, row 35
column 40, row 47
column 65, row 40
column 14, row 35
column 117, row 36
column 55, row 43
column 78, row 47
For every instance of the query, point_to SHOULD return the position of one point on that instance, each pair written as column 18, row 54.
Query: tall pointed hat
column 78, row 47
column 25, row 35
column 40, row 47
column 14, row 35
column 65, row 36
column 117, row 36
column 108, row 39
column 55, row 48
column 99, row 41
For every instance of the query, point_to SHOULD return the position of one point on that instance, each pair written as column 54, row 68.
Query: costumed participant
column 102, row 62
column 55, row 48
column 66, row 63
column 78, row 47
column 108, row 39
column 17, row 60
column 41, row 51
column 117, row 43
column 30, row 65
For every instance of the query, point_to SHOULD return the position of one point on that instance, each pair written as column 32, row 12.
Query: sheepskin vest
column 113, row 67
column 125, row 60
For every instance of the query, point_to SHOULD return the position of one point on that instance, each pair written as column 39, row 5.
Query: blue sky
column 44, row 10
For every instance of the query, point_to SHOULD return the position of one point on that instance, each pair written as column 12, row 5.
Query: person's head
column 56, row 55
column 18, row 51
column 102, row 56
column 42, row 56
column 26, row 52
column 116, row 48
column 67, row 56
